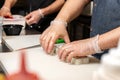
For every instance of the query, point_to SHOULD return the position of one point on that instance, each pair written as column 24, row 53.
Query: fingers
column 51, row 43
column 43, row 39
column 49, row 37
column 67, row 55
column 5, row 12
column 27, row 16
column 7, row 15
column 62, row 51
column 43, row 42
column 70, row 56
column 47, row 41
column 43, row 34
column 29, row 19
column 32, row 18
column 65, row 52
column 67, row 40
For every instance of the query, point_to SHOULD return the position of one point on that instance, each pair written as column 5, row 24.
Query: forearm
column 109, row 39
column 9, row 3
column 54, row 7
column 71, row 9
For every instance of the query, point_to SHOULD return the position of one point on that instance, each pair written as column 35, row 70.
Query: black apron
column 106, row 16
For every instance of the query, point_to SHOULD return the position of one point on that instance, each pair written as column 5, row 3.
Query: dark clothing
column 1, row 3
column 39, row 3
column 45, row 22
column 106, row 16
column 30, row 5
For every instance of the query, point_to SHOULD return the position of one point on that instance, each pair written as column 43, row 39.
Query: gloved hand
column 78, row 49
column 34, row 17
column 56, row 30
column 5, row 12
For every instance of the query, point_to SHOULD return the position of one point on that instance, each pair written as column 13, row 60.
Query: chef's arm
column 6, row 8
column 55, row 6
column 8, row 4
column 109, row 39
column 72, row 9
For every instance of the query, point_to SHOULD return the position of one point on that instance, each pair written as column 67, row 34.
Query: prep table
column 46, row 66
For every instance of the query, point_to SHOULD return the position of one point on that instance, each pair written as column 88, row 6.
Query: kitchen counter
column 48, row 67
column 4, row 48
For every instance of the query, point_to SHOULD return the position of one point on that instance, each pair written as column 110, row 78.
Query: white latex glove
column 78, row 49
column 33, row 17
column 51, row 34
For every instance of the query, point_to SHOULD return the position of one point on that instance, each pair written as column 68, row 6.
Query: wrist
column 95, row 44
column 41, row 13
column 6, row 8
column 59, row 22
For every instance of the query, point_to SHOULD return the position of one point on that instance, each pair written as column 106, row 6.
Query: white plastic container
column 110, row 66
column 17, row 19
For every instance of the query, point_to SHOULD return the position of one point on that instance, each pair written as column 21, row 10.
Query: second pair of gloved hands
column 78, row 48
column 31, row 18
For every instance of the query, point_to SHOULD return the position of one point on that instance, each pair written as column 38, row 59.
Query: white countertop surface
column 21, row 41
column 46, row 66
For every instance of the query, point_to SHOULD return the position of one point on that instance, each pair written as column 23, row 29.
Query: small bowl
column 12, row 29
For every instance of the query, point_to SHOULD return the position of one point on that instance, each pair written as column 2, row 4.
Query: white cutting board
column 48, row 67
column 22, row 41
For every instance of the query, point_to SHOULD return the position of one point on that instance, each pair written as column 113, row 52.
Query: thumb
column 10, row 15
column 27, row 16
column 67, row 40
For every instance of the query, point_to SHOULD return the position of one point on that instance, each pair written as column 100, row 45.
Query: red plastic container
column 23, row 74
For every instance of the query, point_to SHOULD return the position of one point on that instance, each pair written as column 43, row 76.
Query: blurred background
column 80, row 26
